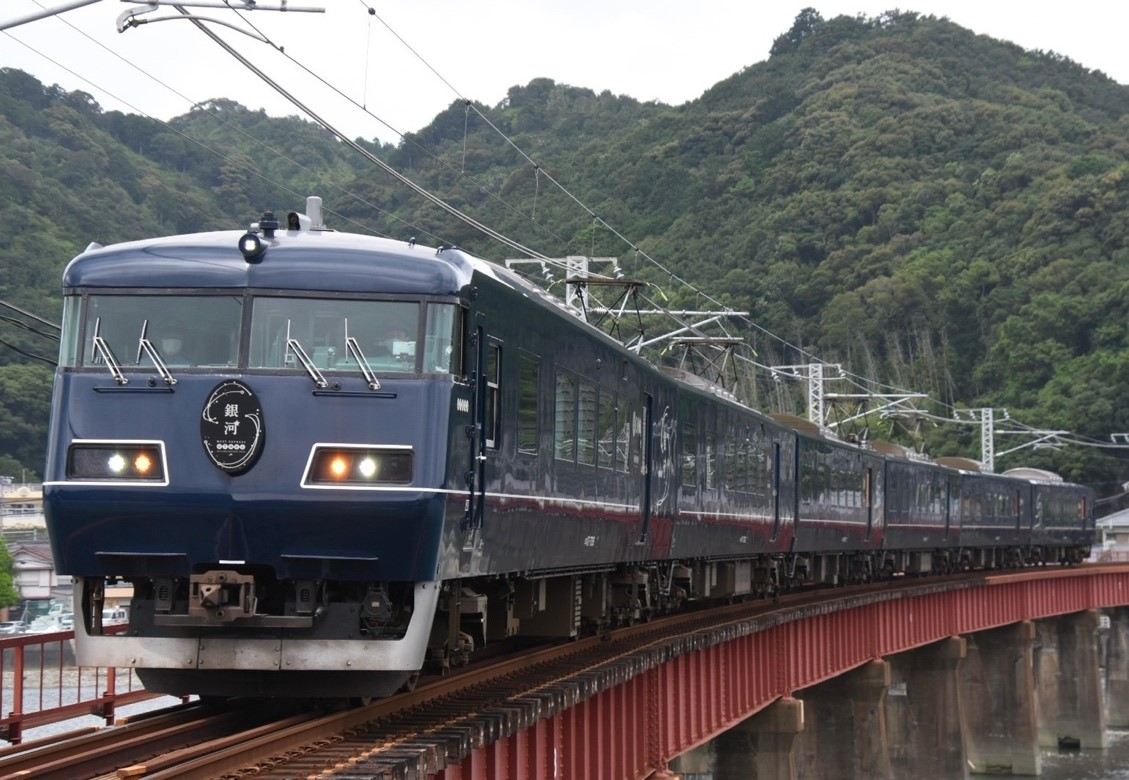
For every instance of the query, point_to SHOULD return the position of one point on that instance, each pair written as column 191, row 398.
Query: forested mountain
column 939, row 210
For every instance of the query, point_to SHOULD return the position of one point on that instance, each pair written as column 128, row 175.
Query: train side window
column 587, row 421
column 527, row 410
column 640, row 430
column 711, row 461
column 493, row 375
column 564, row 417
column 689, row 456
column 623, row 440
column 605, row 457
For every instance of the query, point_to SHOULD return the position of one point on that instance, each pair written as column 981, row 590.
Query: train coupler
column 222, row 595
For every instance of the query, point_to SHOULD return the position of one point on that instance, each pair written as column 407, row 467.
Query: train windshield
column 350, row 335
column 383, row 333
column 183, row 330
column 125, row 331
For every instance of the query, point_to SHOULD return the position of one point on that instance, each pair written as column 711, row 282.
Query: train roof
column 959, row 463
column 343, row 261
column 1033, row 475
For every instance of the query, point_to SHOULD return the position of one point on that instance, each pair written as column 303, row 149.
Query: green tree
column 9, row 595
column 804, row 26
column 25, row 402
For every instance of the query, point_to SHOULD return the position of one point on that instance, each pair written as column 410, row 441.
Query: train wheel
column 409, row 684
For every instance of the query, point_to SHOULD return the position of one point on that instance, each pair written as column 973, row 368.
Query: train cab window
column 181, row 330
column 443, row 339
column 334, row 335
column 527, row 406
column 68, row 342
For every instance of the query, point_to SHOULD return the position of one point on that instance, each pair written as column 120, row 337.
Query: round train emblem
column 231, row 427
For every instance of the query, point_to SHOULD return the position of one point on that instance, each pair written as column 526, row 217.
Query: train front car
column 252, row 431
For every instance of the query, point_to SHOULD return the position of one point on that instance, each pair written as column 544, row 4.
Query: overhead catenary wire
column 27, row 353
column 419, row 190
column 31, row 316
column 226, row 158
column 405, row 137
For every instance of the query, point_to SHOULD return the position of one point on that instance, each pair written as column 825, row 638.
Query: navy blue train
column 326, row 461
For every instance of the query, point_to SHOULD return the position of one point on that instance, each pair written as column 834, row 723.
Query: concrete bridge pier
column 1117, row 668
column 923, row 711
column 762, row 747
column 845, row 734
column 1068, row 682
column 997, row 693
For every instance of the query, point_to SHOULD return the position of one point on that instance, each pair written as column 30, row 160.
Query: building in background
column 21, row 506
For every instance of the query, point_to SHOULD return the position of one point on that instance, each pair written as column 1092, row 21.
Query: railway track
column 94, row 752
column 430, row 727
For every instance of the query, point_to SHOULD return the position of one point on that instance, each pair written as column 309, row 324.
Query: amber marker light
column 142, row 464
column 339, row 467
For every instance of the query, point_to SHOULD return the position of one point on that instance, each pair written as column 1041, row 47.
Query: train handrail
column 29, row 705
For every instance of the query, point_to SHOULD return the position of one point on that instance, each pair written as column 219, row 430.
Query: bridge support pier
column 1117, row 668
column 998, row 697
column 1068, row 682
column 923, row 712
column 762, row 747
column 846, row 717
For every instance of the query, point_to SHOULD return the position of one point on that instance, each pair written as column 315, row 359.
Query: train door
column 646, row 467
column 482, row 429
column 775, row 490
column 868, row 499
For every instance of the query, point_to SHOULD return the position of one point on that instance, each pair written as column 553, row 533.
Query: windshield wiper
column 353, row 348
column 304, row 359
column 102, row 349
column 146, row 346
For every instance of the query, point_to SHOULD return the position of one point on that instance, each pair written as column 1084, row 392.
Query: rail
column 42, row 684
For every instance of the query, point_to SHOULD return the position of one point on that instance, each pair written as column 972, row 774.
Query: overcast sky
column 412, row 58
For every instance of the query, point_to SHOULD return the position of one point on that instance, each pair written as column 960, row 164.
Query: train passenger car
column 995, row 516
column 326, row 461
column 922, row 509
column 840, row 521
column 1062, row 521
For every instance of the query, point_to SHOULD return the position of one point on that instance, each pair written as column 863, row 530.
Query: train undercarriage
column 241, row 630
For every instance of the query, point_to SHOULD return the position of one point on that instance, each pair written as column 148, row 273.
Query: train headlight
column 252, row 247
column 358, row 466
column 110, row 460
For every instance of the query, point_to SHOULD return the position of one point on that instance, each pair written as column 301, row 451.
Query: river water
column 1109, row 764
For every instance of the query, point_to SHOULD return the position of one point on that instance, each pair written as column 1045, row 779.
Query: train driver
column 397, row 342
column 402, row 344
column 171, row 346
